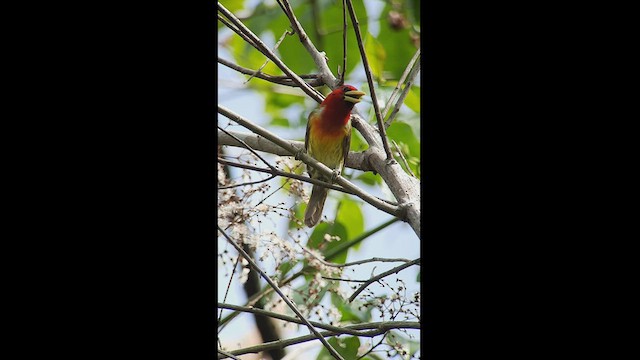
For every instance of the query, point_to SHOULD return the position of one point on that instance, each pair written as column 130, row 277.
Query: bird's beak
column 353, row 96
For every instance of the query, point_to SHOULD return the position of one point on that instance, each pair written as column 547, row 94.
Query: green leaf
column 279, row 121
column 376, row 55
column 350, row 312
column 369, row 178
column 331, row 21
column 350, row 215
column 249, row 57
column 291, row 50
column 357, row 142
column 317, row 298
column 262, row 17
column 408, row 142
column 402, row 133
column 415, row 11
column 299, row 213
column 284, row 268
column 397, row 43
column 347, row 347
column 316, row 240
column 413, row 99
column 409, row 345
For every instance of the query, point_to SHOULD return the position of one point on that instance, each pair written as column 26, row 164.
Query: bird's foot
column 334, row 175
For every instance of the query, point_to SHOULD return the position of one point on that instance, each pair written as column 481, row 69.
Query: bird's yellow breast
column 326, row 145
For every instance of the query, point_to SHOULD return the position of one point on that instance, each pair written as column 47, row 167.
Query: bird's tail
column 316, row 204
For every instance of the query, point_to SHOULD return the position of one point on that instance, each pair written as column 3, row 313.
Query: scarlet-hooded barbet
column 327, row 140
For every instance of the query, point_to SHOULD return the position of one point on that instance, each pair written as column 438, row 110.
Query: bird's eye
column 345, row 89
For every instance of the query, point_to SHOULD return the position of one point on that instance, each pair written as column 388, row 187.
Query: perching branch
column 355, row 160
column 289, row 303
column 307, row 159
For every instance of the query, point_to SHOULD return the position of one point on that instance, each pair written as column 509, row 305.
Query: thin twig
column 340, row 279
column 382, row 275
column 372, row 347
column 367, row 71
column 228, row 354
column 229, row 285
column 248, row 148
column 375, row 259
column 405, row 91
column 285, row 174
column 404, row 161
column 237, row 31
column 286, row 32
column 344, row 41
column 246, row 183
column 289, row 303
column 399, row 84
column 276, row 79
column 315, row 17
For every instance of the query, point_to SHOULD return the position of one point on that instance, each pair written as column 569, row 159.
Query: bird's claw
column 298, row 153
column 334, row 175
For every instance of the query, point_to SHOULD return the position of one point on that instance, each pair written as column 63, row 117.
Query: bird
column 327, row 140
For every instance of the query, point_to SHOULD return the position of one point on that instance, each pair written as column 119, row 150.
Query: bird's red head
column 345, row 95
column 336, row 107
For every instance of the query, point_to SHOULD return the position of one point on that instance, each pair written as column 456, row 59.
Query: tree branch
column 228, row 355
column 281, row 80
column 337, row 329
column 377, row 328
column 307, row 159
column 367, row 71
column 355, row 160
